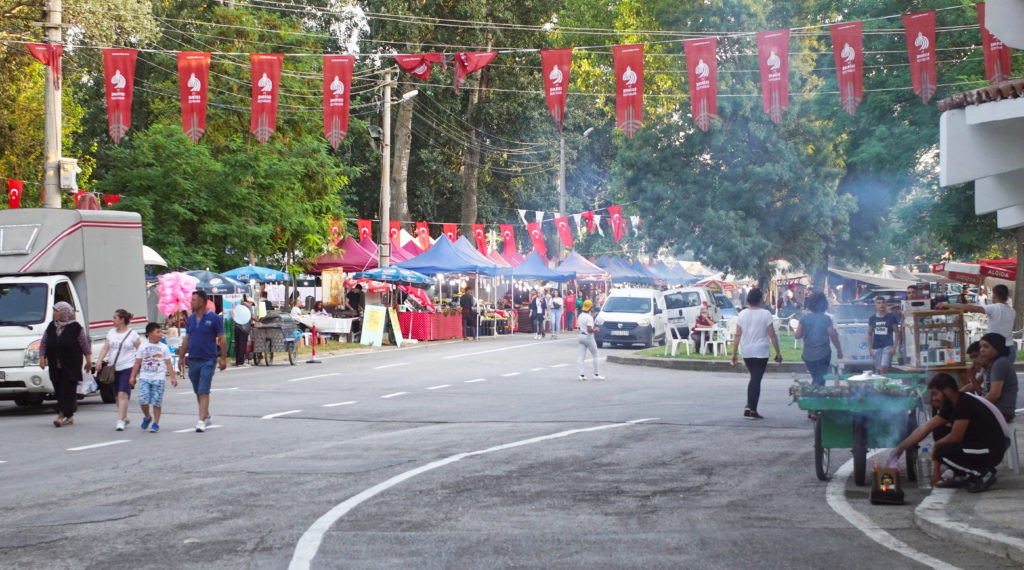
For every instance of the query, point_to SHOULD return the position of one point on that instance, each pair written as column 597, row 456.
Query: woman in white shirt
column 119, row 351
column 754, row 329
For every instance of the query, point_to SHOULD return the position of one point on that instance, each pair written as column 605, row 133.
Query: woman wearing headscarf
column 65, row 346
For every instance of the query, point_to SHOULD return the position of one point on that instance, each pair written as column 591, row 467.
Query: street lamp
column 384, row 134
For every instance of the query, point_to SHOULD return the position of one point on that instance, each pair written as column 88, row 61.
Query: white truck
column 91, row 259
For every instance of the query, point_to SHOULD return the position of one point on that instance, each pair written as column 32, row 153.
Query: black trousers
column 469, row 323
column 65, row 389
column 241, row 343
column 970, row 459
column 756, row 367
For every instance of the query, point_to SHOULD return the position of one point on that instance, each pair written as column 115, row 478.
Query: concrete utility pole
column 52, row 103
column 561, row 175
column 384, row 244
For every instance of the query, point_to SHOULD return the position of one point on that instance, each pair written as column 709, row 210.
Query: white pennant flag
column 579, row 223
column 522, row 214
column 635, row 220
column 540, row 216
column 597, row 223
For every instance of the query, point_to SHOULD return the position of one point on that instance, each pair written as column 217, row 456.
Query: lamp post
column 384, row 133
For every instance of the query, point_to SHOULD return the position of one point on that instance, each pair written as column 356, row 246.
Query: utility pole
column 561, row 175
column 385, row 176
column 52, row 103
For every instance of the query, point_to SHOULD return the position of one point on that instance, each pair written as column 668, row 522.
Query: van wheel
column 649, row 342
column 663, row 339
column 29, row 400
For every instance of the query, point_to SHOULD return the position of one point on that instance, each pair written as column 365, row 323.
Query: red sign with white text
column 998, row 58
column 629, row 88
column 119, row 82
column 848, row 52
column 337, row 90
column 265, row 72
column 702, row 69
column 555, row 65
column 920, row 33
column 193, row 80
column 773, row 54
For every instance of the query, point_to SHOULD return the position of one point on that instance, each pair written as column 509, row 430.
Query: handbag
column 107, row 374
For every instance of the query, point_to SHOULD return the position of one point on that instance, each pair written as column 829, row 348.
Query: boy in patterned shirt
column 152, row 365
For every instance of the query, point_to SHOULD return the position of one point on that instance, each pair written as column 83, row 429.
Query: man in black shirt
column 354, row 299
column 468, row 305
column 882, row 335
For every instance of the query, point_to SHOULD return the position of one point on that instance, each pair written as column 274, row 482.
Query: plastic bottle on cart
column 924, row 467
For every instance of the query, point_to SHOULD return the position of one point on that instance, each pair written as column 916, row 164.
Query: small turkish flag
column 616, row 221
column 395, row 230
column 508, row 236
column 335, row 229
column 15, row 189
column 468, row 62
column 449, row 231
column 422, row 235
column 364, row 229
column 537, row 237
column 419, row 65
column 563, row 231
column 481, row 241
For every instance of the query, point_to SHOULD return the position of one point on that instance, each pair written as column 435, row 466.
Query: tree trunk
column 471, row 160
column 1017, row 295
column 402, row 146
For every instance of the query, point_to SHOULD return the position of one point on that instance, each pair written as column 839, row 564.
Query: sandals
column 69, row 421
column 56, row 423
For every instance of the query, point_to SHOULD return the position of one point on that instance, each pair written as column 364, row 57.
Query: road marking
column 390, row 365
column 465, row 354
column 559, row 365
column 396, row 394
column 186, row 430
column 340, row 404
column 933, row 510
column 95, row 445
column 279, row 414
column 835, row 493
column 317, row 376
column 476, row 380
column 535, row 369
column 510, row 374
column 439, row 387
column 223, row 389
column 309, row 543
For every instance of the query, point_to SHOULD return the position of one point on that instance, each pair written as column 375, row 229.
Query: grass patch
column 330, row 348
column 789, row 354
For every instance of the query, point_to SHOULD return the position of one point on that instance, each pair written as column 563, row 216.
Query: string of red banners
column 16, row 192
column 701, row 56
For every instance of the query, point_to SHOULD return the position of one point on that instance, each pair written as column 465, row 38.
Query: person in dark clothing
column 468, row 305
column 816, row 330
column 64, row 346
column 354, row 299
column 538, row 308
column 242, row 333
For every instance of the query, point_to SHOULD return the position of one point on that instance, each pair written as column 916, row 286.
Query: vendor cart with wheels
column 275, row 333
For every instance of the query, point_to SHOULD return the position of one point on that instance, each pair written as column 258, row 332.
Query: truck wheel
column 29, row 400
column 107, row 393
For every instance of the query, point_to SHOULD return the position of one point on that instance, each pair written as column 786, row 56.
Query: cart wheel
column 269, row 353
column 912, row 464
column 860, row 452
column 822, row 454
column 291, row 352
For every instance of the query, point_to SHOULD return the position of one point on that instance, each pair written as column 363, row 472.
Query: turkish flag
column 422, row 235
column 537, row 237
column 15, row 190
column 468, row 62
column 998, row 59
column 555, row 65
column 773, row 53
column 702, row 69
column 508, row 237
column 365, row 229
column 119, row 82
column 629, row 88
column 265, row 73
column 563, row 231
column 395, row 231
column 589, row 217
column 450, row 231
column 337, row 90
column 193, row 83
column 111, row 199
column 419, row 65
column 920, row 34
column 481, row 241
column 848, row 51
column 335, row 228
column 48, row 55
column 615, row 213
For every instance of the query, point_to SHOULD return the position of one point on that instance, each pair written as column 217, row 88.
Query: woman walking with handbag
column 117, row 370
column 65, row 347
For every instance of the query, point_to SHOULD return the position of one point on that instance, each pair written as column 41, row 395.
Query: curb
column 931, row 517
column 700, row 365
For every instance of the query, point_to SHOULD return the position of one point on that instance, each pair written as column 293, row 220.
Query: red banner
column 589, row 217
column 337, row 90
column 481, row 240
column 336, row 228
column 998, row 58
column 15, row 190
column 555, row 65
column 119, row 80
column 773, row 53
column 848, row 52
column 365, row 229
column 48, row 55
column 616, row 221
column 450, row 231
column 537, row 237
column 702, row 69
column 193, row 82
column 920, row 33
column 468, row 62
column 265, row 72
column 508, row 237
column 629, row 88
column 422, row 235
column 564, row 233
column 111, row 199
column 419, row 65
column 395, row 231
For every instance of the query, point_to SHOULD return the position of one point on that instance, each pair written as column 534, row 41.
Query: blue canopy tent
column 644, row 271
column 536, row 268
column 622, row 273
column 585, row 270
column 444, row 257
column 679, row 274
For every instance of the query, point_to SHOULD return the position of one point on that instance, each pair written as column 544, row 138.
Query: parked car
column 632, row 316
column 725, row 306
column 682, row 306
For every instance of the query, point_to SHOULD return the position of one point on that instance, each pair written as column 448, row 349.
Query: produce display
column 853, row 389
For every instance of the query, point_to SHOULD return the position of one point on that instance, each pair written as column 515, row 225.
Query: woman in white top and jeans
column 754, row 328
column 120, row 345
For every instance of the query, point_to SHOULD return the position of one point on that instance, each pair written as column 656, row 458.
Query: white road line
column 396, row 394
column 474, row 381
column 186, row 430
column 309, row 543
column 835, row 493
column 390, row 365
column 439, row 387
column 510, row 374
column 933, row 510
column 312, row 377
column 279, row 414
column 223, row 389
column 3, row 462
column 465, row 354
column 340, row 404
column 560, row 365
column 535, row 369
column 95, row 445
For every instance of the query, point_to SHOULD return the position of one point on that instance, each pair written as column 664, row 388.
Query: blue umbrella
column 217, row 284
column 398, row 275
column 255, row 272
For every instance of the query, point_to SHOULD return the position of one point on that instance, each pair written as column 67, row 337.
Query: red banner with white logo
column 537, row 237
column 616, row 221
column 555, row 65
column 15, row 190
column 48, row 55
column 629, row 88
column 365, row 229
column 848, row 52
column 265, row 73
column 481, row 240
column 395, row 231
column 111, row 199
column 193, row 81
column 337, row 90
column 422, row 235
column 335, row 229
column 119, row 81
column 920, row 33
column 564, row 233
column 508, row 236
column 450, row 231
column 702, row 69
column 998, row 58
column 468, row 62
column 773, row 53
column 419, row 65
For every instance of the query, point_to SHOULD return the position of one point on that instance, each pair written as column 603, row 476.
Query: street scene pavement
column 487, row 454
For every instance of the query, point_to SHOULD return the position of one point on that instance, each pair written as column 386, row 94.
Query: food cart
column 274, row 333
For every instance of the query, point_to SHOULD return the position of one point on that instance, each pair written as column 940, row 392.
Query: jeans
column 556, row 321
column 818, row 369
column 538, row 324
column 587, row 344
column 756, row 367
column 570, row 320
column 200, row 373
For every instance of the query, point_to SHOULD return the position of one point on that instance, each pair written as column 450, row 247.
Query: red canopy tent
column 352, row 257
column 513, row 258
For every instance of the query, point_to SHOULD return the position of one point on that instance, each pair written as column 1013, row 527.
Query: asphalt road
column 485, row 454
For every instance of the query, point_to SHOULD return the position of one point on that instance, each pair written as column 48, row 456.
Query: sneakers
column 979, row 484
column 598, row 377
column 954, row 482
column 145, row 422
column 154, row 428
column 582, row 377
column 200, row 426
column 121, row 425
column 752, row 414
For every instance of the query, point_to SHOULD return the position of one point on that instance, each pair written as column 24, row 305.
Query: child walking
column 152, row 365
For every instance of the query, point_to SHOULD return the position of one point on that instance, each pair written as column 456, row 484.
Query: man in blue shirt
column 204, row 341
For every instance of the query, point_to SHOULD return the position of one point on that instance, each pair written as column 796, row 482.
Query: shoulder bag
column 107, row 372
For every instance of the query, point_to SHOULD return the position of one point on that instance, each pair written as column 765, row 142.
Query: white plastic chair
column 793, row 324
column 722, row 336
column 1012, row 456
column 675, row 339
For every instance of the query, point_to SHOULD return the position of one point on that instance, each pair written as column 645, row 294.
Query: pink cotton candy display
column 175, row 291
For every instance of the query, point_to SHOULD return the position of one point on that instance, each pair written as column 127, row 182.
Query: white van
column 632, row 316
column 683, row 305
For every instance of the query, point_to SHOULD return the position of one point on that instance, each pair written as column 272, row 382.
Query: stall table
column 430, row 326
column 329, row 325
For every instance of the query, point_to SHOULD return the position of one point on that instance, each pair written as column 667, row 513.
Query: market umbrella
column 717, row 285
column 398, row 275
column 369, row 285
column 420, row 295
column 217, row 284
column 257, row 273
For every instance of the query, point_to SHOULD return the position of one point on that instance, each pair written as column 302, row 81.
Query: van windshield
column 627, row 305
column 22, row 303
column 682, row 300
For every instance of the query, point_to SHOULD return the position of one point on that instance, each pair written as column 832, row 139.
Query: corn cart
column 275, row 333
column 867, row 413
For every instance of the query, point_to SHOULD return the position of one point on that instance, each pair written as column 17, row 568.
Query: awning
column 873, row 280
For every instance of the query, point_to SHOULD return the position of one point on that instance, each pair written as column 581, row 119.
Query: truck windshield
column 627, row 305
column 22, row 303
